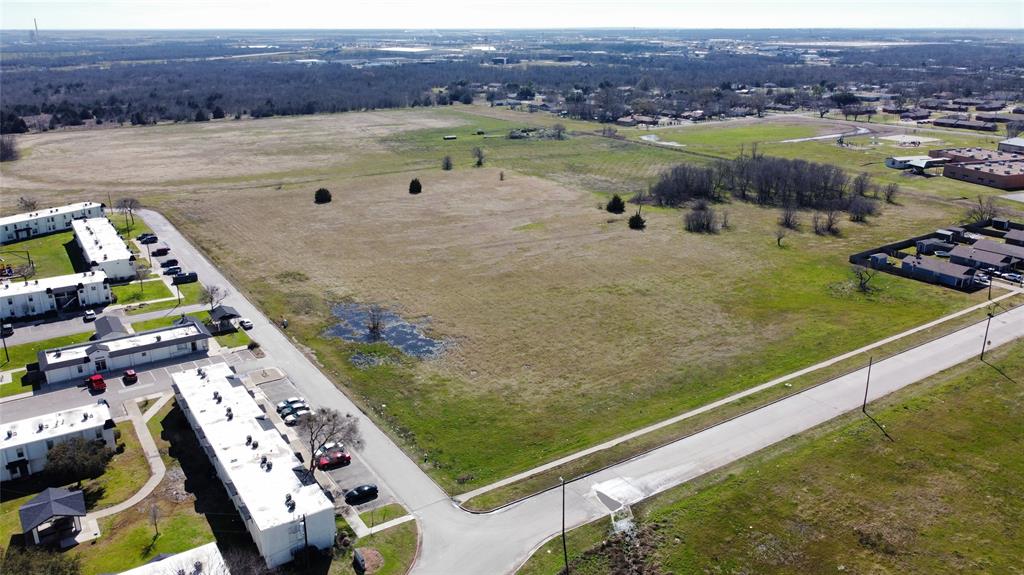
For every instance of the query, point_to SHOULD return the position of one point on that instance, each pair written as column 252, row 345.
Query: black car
column 169, row 263
column 7, row 329
column 361, row 494
column 172, row 271
column 141, row 237
column 161, row 251
column 185, row 278
column 149, row 240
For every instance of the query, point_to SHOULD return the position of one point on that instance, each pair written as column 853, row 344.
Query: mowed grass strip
column 944, row 496
column 190, row 294
column 136, row 292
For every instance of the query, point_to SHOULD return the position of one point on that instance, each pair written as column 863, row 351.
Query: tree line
column 771, row 181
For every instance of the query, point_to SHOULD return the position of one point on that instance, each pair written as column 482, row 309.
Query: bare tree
column 863, row 277
column 213, row 295
column 823, row 109
column 375, row 323
column 890, row 192
column 128, row 206
column 328, row 426
column 27, row 204
column 8, row 148
column 142, row 269
column 983, row 211
column 860, row 208
column 861, row 184
column 790, row 217
column 559, row 131
column 446, row 163
column 1014, row 129
column 780, row 234
column 478, row 153
column 154, row 518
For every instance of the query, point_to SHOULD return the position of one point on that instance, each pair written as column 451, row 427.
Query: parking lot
column 347, row 477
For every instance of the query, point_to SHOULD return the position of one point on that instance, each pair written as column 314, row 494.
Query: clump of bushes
column 616, row 205
column 702, row 219
column 446, row 163
column 322, row 196
column 77, row 459
column 637, row 222
column 415, row 186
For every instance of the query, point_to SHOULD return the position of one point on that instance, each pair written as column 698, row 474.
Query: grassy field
column 49, row 254
column 126, row 473
column 564, row 327
column 397, row 546
column 944, row 497
column 136, row 292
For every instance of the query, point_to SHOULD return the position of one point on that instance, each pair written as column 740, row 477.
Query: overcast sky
column 497, row 14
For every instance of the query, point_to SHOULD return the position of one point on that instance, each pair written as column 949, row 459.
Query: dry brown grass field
column 566, row 327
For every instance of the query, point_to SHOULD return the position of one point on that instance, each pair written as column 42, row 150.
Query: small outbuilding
column 53, row 516
column 1014, row 238
column 938, row 271
column 220, row 319
column 931, row 245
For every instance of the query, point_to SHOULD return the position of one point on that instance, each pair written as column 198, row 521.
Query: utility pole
column 984, row 342
column 7, row 354
column 178, row 288
column 565, row 548
column 864, row 406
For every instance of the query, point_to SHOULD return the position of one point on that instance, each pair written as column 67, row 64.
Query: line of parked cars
column 170, row 266
column 293, row 409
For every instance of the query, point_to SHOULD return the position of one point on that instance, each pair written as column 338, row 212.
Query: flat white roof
column 1014, row 141
column 99, row 240
column 262, row 487
column 53, row 425
column 911, row 158
column 163, row 336
column 42, row 284
column 185, row 562
column 47, row 212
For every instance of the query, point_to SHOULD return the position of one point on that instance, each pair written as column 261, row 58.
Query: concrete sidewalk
column 90, row 524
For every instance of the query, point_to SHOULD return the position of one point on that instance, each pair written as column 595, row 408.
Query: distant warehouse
column 104, row 249
column 47, row 221
column 283, row 507
column 1012, row 146
column 62, row 293
column 118, row 350
column 965, row 124
column 1004, row 175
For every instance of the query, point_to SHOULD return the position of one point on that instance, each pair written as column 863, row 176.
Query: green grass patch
column 396, row 545
column 190, row 294
column 841, row 498
column 51, row 255
column 382, row 514
column 129, row 539
column 136, row 292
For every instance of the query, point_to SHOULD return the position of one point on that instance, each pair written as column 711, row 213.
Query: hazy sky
column 495, row 14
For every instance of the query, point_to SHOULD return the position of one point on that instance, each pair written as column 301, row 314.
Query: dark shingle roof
column 108, row 327
column 223, row 312
column 54, row 502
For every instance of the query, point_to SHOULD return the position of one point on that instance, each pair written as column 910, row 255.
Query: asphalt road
column 455, row 542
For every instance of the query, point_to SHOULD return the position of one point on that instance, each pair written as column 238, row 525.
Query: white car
column 89, row 315
column 982, row 279
column 327, row 447
column 1015, row 278
column 289, row 402
column 294, row 417
column 245, row 324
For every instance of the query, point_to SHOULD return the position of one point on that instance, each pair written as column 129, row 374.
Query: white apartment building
column 185, row 337
column 282, row 506
column 62, row 293
column 24, row 444
column 104, row 249
column 202, row 560
column 46, row 221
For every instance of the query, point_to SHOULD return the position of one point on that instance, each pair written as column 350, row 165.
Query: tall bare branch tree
column 213, row 295
column 329, row 426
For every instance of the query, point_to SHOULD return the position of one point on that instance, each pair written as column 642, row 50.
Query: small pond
column 355, row 321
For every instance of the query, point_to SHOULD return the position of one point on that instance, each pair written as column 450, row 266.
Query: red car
column 333, row 459
column 130, row 377
column 95, row 383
